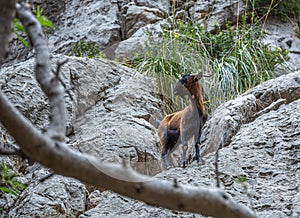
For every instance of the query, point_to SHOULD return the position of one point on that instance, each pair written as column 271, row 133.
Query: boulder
column 117, row 101
column 126, row 49
column 227, row 119
column 283, row 34
column 119, row 29
column 217, row 13
column 109, row 107
column 55, row 197
column 90, row 21
column 135, row 17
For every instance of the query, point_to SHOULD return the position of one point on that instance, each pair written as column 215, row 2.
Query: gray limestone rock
column 217, row 13
column 229, row 117
column 259, row 167
column 55, row 197
column 284, row 35
column 120, row 28
column 107, row 117
column 135, row 17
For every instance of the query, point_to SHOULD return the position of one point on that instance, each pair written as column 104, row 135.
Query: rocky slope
column 110, row 120
column 259, row 166
column 258, row 134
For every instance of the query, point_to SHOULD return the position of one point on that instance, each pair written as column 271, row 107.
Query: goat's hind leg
column 166, row 148
column 197, row 149
column 165, row 157
column 198, row 157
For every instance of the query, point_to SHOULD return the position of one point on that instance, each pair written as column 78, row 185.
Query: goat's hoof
column 200, row 162
column 184, row 164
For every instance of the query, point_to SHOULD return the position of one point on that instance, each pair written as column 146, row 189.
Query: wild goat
column 180, row 127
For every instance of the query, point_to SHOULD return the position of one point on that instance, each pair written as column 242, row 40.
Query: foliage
column 8, row 181
column 87, row 49
column 234, row 57
column 43, row 20
column 279, row 8
column 18, row 30
column 242, row 179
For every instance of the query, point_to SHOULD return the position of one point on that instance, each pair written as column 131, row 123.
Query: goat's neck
column 196, row 101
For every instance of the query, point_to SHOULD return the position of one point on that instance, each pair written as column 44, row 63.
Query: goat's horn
column 200, row 75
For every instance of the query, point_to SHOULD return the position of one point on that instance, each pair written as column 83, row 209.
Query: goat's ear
column 195, row 78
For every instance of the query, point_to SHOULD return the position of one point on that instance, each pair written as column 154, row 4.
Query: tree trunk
column 7, row 14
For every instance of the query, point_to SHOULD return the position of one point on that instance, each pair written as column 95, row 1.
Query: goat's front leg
column 197, row 150
column 183, row 157
column 184, row 141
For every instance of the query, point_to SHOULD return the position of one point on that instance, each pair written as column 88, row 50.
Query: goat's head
column 187, row 85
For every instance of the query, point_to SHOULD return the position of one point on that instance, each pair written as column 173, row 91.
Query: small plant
column 87, row 49
column 8, row 183
column 43, row 20
column 242, row 179
column 19, row 29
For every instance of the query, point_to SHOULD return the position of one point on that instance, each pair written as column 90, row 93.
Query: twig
column 217, row 169
column 10, row 152
column 58, row 66
column 56, row 73
column 48, row 176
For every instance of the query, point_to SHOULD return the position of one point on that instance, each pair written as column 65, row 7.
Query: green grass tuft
column 8, row 183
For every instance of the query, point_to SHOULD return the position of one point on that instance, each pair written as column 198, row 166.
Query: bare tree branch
column 120, row 179
column 7, row 11
column 48, row 81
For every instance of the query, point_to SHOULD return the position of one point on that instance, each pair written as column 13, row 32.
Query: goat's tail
column 155, row 122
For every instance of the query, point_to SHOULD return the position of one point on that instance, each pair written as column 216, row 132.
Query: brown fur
column 179, row 127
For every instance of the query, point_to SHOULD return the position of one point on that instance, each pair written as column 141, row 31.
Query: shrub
column 87, row 49
column 234, row 57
